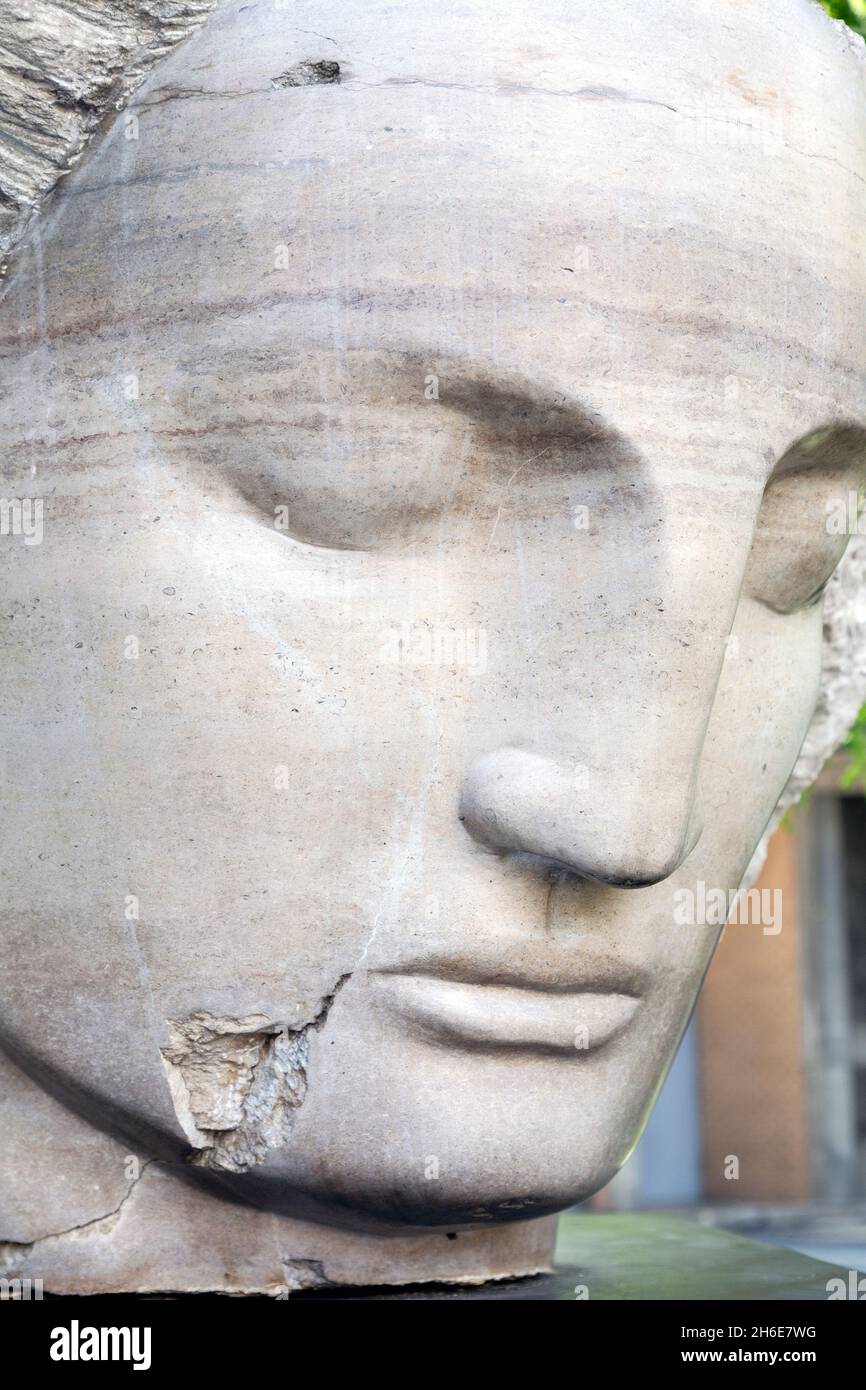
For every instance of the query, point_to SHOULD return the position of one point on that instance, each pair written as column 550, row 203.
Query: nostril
column 636, row 874
column 528, row 806
column 542, row 866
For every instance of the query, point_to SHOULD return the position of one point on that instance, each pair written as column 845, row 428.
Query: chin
column 486, row 1160
column 396, row 1132
column 393, row 1202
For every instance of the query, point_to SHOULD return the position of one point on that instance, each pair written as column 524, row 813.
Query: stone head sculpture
column 432, row 415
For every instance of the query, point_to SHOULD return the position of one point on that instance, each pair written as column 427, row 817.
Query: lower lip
column 508, row 1017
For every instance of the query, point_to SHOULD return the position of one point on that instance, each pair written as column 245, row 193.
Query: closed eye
column 367, row 457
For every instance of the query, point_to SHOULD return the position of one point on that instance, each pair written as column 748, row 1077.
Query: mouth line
column 560, row 969
column 509, row 1011
column 517, row 982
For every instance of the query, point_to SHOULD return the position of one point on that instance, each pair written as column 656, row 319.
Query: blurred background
column 761, row 1125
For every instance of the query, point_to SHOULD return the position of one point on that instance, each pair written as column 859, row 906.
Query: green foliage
column 855, row 747
column 852, row 11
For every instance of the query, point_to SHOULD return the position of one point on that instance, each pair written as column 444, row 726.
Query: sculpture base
column 643, row 1257
column 167, row 1236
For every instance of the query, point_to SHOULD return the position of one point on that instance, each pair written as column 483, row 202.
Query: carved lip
column 528, row 1003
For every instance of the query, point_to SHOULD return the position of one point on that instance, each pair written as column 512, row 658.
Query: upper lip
column 545, row 965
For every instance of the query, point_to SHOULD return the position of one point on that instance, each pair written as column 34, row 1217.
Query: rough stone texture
column 554, row 413
column 63, row 67
column 237, row 1082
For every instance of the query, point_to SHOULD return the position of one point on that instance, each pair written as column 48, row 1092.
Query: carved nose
column 629, row 832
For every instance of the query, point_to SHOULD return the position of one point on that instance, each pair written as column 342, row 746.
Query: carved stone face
column 436, row 467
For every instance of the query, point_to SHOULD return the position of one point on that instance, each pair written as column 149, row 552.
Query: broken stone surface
column 211, row 1063
column 311, row 363
column 63, row 67
column 236, row 1083
column 309, row 74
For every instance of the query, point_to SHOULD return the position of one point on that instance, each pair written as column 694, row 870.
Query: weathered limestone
column 434, row 459
column 63, row 66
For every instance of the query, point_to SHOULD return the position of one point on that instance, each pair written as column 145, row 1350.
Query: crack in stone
column 164, row 95
column 12, row 1251
column 311, row 72
column 237, row 1083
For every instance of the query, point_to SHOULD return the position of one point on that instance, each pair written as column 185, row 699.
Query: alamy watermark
column 19, row 1290
column 434, row 645
column 726, row 127
column 844, row 517
column 854, row 1288
column 713, row 907
column 22, row 516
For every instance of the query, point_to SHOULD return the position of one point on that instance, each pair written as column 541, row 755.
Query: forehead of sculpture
column 734, row 54
column 668, row 199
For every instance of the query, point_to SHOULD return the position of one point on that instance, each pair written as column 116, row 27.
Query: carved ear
column 810, row 511
column 61, row 75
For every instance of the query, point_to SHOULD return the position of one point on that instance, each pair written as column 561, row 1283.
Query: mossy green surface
column 654, row 1256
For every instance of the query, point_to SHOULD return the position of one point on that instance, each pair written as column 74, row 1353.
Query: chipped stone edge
column 75, row 70
column 252, row 1101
